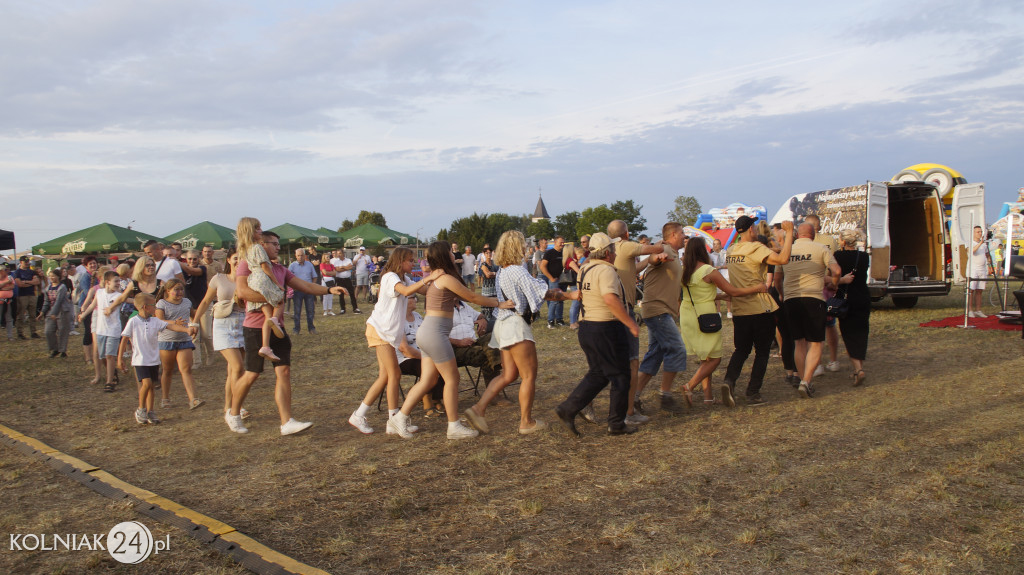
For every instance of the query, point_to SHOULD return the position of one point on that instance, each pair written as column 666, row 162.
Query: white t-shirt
column 361, row 261
column 388, row 316
column 468, row 264
column 107, row 325
column 144, row 334
column 339, row 263
column 979, row 263
column 167, row 269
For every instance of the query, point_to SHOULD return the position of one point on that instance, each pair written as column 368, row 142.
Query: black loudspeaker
column 1017, row 266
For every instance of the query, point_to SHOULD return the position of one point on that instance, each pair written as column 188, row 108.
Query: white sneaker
column 398, row 424
column 460, row 431
column 235, row 423
column 412, row 429
column 293, row 426
column 979, row 314
column 636, row 419
column 832, row 366
column 74, row 332
column 728, row 314
column 325, row 314
column 359, row 422
column 242, row 412
column 820, row 370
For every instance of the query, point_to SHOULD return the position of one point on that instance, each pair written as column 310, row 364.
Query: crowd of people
column 170, row 311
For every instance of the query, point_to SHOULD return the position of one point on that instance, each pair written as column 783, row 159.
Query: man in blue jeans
column 660, row 310
column 551, row 266
column 305, row 271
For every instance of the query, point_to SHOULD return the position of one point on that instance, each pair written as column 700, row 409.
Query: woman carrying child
column 261, row 280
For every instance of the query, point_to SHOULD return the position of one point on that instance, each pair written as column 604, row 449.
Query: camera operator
column 981, row 267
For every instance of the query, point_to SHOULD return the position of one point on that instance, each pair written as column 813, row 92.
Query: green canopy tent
column 293, row 235
column 372, row 235
column 99, row 239
column 204, row 234
column 333, row 238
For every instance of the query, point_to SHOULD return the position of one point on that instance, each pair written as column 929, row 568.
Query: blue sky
column 168, row 113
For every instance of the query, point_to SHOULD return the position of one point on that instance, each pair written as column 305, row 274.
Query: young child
column 261, row 280
column 141, row 333
column 175, row 349
column 108, row 325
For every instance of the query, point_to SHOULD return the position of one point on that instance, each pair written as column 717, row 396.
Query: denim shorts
column 176, row 345
column 106, row 345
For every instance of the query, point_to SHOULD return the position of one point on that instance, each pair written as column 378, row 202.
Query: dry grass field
column 921, row 470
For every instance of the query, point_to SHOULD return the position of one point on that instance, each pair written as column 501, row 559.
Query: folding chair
column 401, row 392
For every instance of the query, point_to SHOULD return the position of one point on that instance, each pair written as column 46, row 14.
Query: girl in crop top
column 432, row 337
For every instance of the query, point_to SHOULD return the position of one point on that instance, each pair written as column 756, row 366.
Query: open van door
column 878, row 236
column 968, row 210
column 878, row 215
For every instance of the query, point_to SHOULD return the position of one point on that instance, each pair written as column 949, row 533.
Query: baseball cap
column 600, row 240
column 362, row 248
column 743, row 223
column 23, row 259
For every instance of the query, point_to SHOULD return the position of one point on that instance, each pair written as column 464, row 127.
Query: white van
column 910, row 238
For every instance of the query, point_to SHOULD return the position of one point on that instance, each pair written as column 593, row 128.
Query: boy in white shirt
column 141, row 333
column 108, row 324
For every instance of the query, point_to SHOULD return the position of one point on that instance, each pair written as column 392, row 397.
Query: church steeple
column 541, row 213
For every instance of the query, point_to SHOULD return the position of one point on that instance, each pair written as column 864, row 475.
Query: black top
column 857, row 262
column 195, row 287
column 554, row 259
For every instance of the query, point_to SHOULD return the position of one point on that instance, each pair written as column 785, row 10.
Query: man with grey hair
column 604, row 328
column 303, row 269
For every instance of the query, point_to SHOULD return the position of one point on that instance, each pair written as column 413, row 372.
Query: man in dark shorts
column 253, row 336
column 803, row 283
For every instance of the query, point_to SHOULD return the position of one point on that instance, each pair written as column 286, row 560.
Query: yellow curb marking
column 223, row 530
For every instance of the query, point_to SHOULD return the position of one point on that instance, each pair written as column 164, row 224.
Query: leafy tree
column 469, row 231
column 541, row 229
column 367, row 217
column 442, row 236
column 593, row 220
column 629, row 212
column 596, row 219
column 346, row 226
column 565, row 225
column 686, row 210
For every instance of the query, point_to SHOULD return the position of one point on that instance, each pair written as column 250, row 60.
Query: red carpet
column 990, row 322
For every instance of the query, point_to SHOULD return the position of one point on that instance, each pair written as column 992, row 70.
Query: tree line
column 479, row 229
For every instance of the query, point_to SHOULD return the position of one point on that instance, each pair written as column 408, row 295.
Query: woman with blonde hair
column 853, row 265
column 435, row 345
column 513, row 335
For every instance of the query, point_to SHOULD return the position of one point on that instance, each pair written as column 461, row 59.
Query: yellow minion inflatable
column 942, row 177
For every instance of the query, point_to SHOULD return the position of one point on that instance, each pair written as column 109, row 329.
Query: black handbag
column 836, row 306
column 707, row 322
